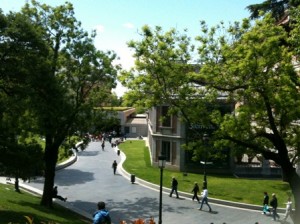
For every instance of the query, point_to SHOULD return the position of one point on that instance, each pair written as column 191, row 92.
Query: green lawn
column 15, row 206
column 222, row 187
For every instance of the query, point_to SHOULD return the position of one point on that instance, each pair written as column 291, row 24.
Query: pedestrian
column 103, row 145
column 204, row 196
column 266, row 204
column 174, row 185
column 101, row 216
column 274, row 204
column 288, row 208
column 55, row 194
column 195, row 191
column 114, row 166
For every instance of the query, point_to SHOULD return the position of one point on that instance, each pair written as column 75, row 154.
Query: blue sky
column 118, row 21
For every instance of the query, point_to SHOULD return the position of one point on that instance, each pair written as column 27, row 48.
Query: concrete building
column 167, row 135
column 133, row 125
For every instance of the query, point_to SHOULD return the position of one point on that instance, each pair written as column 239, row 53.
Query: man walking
column 274, row 204
column 204, row 196
column 101, row 216
column 114, row 166
column 174, row 186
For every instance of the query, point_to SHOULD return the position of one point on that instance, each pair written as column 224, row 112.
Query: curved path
column 90, row 179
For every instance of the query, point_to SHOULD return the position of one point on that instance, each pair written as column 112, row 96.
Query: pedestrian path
column 90, row 179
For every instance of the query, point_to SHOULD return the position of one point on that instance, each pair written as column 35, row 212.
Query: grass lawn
column 15, row 206
column 241, row 190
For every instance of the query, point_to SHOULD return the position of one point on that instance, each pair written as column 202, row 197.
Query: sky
column 119, row 21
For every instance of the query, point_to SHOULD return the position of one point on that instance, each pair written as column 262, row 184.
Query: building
column 132, row 125
column 167, row 135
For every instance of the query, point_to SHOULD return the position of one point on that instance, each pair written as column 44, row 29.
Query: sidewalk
column 90, row 179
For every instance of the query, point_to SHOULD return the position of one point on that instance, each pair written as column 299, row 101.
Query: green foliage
column 248, row 65
column 294, row 39
column 277, row 8
column 52, row 76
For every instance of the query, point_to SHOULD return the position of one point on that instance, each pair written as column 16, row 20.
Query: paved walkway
column 90, row 179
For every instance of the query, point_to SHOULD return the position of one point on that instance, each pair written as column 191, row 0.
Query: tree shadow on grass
column 40, row 214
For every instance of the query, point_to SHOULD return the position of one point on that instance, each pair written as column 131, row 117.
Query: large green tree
column 22, row 56
column 256, row 70
column 246, row 64
column 62, row 96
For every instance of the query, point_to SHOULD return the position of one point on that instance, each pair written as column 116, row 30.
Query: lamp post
column 161, row 165
column 205, row 140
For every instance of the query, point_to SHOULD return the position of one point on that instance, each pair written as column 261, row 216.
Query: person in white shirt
column 288, row 208
column 204, row 196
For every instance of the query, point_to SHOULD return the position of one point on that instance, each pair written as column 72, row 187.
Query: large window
column 166, row 118
column 166, row 150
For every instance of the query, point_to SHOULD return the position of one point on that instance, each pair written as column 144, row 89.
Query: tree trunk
column 51, row 154
column 295, row 186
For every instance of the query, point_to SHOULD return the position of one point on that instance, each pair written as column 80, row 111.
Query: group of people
column 274, row 204
column 102, row 215
column 195, row 191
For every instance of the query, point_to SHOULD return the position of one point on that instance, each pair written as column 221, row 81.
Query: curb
column 188, row 195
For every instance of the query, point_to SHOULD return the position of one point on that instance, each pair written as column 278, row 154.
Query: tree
column 22, row 54
column 63, row 96
column 160, row 73
column 256, row 70
column 248, row 65
column 276, row 7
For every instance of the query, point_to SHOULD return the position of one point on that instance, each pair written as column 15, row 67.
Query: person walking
column 103, row 145
column 288, row 209
column 114, row 166
column 274, row 204
column 55, row 194
column 266, row 204
column 174, row 185
column 204, row 196
column 195, row 191
column 101, row 216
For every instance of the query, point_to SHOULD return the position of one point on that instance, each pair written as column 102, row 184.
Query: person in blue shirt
column 101, row 216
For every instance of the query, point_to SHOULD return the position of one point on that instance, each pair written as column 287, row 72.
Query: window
column 166, row 118
column 166, row 150
column 133, row 129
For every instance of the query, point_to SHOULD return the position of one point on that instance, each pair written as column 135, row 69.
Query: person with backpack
column 266, row 204
column 101, row 216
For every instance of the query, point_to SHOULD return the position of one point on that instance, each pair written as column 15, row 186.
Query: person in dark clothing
column 274, row 204
column 196, row 190
column 174, row 186
column 55, row 194
column 101, row 216
column 114, row 166
column 266, row 203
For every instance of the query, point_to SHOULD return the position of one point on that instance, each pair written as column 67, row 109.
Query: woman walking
column 196, row 190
